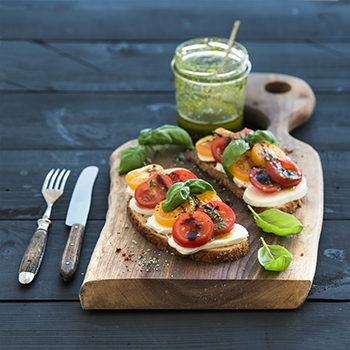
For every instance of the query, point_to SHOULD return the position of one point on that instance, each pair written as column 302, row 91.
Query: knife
column 77, row 215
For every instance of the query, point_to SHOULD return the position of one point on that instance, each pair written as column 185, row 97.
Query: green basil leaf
column 261, row 135
column 232, row 152
column 145, row 136
column 132, row 158
column 274, row 257
column 180, row 191
column 176, row 195
column 166, row 135
column 277, row 222
column 199, row 186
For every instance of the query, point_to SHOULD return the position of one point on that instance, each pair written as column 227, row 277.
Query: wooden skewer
column 231, row 40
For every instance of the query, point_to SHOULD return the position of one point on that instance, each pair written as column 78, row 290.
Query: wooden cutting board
column 127, row 272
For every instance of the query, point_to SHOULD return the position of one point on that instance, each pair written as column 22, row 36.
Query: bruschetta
column 182, row 214
column 254, row 168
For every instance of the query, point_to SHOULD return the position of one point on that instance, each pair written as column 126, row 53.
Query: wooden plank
column 137, row 66
column 331, row 279
column 328, row 122
column 104, row 121
column 23, row 173
column 81, row 121
column 48, row 284
column 65, row 326
column 134, row 19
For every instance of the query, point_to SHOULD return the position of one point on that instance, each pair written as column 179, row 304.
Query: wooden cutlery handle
column 33, row 256
column 71, row 253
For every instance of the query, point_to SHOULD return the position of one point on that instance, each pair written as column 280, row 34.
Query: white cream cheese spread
column 129, row 191
column 154, row 225
column 141, row 210
column 206, row 158
column 220, row 168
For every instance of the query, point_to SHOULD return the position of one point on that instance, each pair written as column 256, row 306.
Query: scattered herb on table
column 274, row 257
column 277, row 222
column 134, row 156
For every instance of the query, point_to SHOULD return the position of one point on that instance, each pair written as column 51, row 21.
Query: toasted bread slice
column 209, row 167
column 224, row 254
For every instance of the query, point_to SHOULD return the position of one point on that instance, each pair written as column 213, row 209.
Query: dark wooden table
column 78, row 79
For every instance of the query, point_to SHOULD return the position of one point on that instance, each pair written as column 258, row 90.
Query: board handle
column 278, row 102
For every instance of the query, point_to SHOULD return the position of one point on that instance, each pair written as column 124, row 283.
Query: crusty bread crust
column 209, row 167
column 224, row 254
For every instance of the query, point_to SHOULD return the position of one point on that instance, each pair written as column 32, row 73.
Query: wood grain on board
column 127, row 272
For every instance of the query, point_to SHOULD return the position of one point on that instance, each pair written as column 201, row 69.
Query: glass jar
column 210, row 94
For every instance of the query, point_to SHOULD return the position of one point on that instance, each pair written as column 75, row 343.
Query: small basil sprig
column 237, row 147
column 277, row 222
column 274, row 257
column 134, row 156
column 180, row 191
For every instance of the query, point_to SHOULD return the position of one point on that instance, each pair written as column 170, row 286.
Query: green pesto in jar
column 209, row 94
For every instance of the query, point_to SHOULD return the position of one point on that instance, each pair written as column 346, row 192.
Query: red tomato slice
column 244, row 132
column 262, row 181
column 222, row 216
column 218, row 147
column 181, row 175
column 152, row 191
column 193, row 230
column 284, row 171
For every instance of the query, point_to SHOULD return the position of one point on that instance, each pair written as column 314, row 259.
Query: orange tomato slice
column 263, row 152
column 223, row 132
column 137, row 176
column 168, row 219
column 241, row 167
column 203, row 145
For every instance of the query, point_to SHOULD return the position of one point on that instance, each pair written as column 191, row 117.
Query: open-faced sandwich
column 178, row 212
column 253, row 167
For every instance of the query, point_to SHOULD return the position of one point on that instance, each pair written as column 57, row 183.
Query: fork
column 52, row 190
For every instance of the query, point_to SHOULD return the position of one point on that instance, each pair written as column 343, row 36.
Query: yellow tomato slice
column 262, row 152
column 137, row 176
column 223, row 132
column 208, row 196
column 203, row 145
column 241, row 167
column 168, row 219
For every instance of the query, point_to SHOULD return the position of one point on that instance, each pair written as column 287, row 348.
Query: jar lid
column 202, row 58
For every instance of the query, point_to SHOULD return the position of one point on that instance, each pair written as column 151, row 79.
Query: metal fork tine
column 63, row 183
column 53, row 178
column 47, row 178
column 59, row 179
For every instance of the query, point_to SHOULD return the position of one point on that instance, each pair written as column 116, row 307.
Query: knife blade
column 77, row 215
